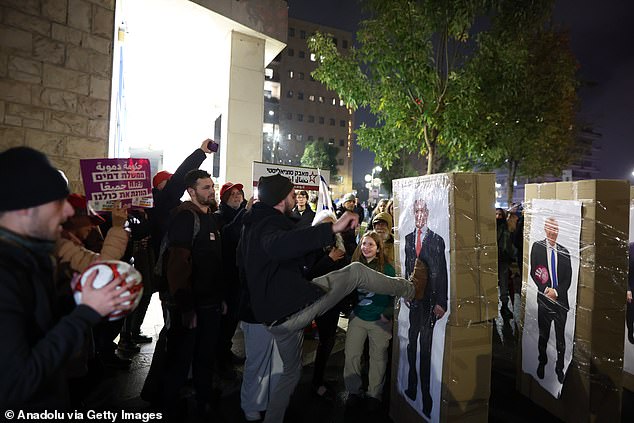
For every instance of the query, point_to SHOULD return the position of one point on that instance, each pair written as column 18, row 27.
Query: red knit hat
column 80, row 205
column 163, row 175
column 227, row 187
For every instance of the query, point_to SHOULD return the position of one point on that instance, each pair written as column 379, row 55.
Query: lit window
column 291, row 74
column 289, row 136
column 341, row 103
column 321, row 99
column 268, row 73
column 311, row 98
column 334, row 101
column 313, row 57
column 271, row 113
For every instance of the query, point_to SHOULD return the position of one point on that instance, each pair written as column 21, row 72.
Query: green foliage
column 505, row 97
column 321, row 155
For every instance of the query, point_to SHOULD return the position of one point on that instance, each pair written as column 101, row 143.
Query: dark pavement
column 120, row 389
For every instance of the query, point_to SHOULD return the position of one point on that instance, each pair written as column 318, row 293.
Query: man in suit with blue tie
column 429, row 248
column 552, row 273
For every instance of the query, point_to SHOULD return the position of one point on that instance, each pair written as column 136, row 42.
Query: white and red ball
column 107, row 271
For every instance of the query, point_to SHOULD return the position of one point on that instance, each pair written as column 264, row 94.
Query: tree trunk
column 512, row 170
column 430, row 159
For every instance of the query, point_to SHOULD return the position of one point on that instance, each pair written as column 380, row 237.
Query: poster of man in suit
column 424, row 234
column 551, row 291
column 628, row 354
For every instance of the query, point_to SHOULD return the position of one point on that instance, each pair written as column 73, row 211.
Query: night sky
column 602, row 38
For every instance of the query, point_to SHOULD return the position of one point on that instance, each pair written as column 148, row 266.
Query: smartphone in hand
column 212, row 146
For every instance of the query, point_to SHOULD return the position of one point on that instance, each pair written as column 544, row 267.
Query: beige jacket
column 79, row 258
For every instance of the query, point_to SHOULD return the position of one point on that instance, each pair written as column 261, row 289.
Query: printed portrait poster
column 628, row 355
column 551, row 291
column 423, row 231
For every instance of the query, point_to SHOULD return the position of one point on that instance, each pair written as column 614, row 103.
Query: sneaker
column 128, row 346
column 141, row 339
column 419, row 279
column 252, row 416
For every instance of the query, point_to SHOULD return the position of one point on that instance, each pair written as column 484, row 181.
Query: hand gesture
column 439, row 311
column 348, row 220
column 108, row 299
column 205, row 146
column 550, row 293
column 336, row 254
column 119, row 215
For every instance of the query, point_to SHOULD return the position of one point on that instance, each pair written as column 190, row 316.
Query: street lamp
column 373, row 182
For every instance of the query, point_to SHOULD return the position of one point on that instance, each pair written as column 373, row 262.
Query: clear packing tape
column 588, row 221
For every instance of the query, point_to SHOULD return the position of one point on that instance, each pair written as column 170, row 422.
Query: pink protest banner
column 110, row 180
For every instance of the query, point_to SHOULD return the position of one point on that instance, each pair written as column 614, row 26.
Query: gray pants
column 289, row 335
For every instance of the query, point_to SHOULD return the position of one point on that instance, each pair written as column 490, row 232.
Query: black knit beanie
column 28, row 180
column 273, row 189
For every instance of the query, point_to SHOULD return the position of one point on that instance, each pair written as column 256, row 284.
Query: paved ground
column 120, row 390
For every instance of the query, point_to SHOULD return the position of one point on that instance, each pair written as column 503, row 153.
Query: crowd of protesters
column 271, row 265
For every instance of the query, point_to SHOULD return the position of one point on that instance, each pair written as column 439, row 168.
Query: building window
column 334, row 101
column 289, row 94
column 332, row 122
column 310, row 138
column 291, row 32
column 321, row 139
column 301, row 75
column 291, row 52
column 311, row 98
column 340, row 162
column 302, row 34
column 299, row 137
column 341, row 103
column 291, row 74
column 342, row 143
column 289, row 116
column 344, row 43
column 331, row 141
column 334, row 40
column 321, row 120
column 300, row 117
column 268, row 73
column 289, row 136
column 311, row 119
column 321, row 99
column 342, row 123
column 313, row 58
column 302, row 54
column 300, row 95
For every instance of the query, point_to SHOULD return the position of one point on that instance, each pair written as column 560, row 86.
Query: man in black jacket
column 551, row 271
column 195, row 302
column 37, row 342
column 273, row 251
column 232, row 204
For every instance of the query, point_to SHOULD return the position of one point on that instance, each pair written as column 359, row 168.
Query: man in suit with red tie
column 429, row 248
column 552, row 273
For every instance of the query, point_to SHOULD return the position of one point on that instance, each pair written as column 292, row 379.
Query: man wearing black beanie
column 272, row 256
column 37, row 342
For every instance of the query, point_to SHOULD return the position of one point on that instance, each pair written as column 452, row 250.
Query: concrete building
column 585, row 167
column 300, row 110
column 57, row 91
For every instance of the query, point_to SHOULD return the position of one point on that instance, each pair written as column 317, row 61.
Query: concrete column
column 243, row 117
